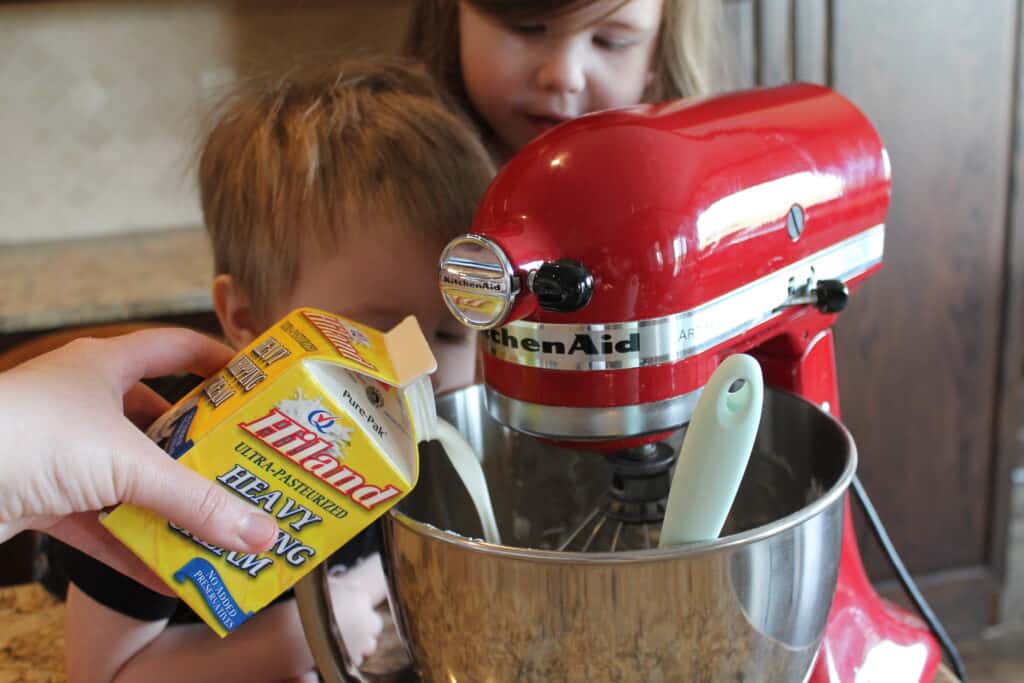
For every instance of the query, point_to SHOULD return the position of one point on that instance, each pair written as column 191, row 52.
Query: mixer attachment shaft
column 630, row 516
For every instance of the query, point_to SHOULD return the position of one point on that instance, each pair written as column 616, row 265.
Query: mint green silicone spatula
column 715, row 453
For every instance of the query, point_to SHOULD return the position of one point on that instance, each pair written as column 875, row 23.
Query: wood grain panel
column 810, row 41
column 1010, row 400
column 740, row 44
column 774, row 33
column 919, row 347
column 1010, row 404
column 965, row 599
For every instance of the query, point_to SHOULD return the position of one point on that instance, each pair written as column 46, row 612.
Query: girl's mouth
column 542, row 123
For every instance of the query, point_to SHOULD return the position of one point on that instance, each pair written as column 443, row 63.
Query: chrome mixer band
column 620, row 346
column 586, row 424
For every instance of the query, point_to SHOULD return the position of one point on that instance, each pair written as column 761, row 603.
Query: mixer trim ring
column 654, row 341
column 588, row 423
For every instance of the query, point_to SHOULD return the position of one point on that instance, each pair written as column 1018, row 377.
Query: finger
column 84, row 532
column 142, row 405
column 165, row 351
column 171, row 490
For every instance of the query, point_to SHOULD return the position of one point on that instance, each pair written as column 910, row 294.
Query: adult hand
column 71, row 447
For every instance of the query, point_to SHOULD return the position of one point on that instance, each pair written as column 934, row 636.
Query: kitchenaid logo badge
column 582, row 344
column 471, row 283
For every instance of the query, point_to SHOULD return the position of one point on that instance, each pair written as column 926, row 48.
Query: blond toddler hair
column 293, row 163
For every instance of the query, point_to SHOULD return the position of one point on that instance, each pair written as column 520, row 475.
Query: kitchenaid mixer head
column 620, row 257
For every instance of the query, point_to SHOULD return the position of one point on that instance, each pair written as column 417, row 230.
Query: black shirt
column 60, row 564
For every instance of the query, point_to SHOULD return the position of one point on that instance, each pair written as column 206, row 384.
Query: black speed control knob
column 562, row 286
column 831, row 296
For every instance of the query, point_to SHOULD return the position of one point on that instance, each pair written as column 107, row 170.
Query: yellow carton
column 314, row 422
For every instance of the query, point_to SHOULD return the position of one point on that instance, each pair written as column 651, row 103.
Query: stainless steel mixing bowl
column 750, row 606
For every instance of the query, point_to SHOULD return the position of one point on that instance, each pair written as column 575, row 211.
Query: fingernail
column 257, row 530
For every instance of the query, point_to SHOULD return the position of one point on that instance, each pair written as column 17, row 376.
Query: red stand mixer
column 619, row 258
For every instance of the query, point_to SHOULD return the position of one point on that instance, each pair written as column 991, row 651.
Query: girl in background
column 519, row 67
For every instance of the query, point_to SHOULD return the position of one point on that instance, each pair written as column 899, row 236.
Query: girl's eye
column 527, row 29
column 609, row 43
column 448, row 337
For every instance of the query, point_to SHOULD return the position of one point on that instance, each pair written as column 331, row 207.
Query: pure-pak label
column 310, row 423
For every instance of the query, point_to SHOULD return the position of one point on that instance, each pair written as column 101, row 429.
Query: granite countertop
column 32, row 638
column 110, row 279
column 31, row 635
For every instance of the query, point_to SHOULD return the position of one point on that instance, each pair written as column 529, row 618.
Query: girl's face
column 524, row 78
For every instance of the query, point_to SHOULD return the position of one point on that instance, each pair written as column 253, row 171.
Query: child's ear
column 234, row 310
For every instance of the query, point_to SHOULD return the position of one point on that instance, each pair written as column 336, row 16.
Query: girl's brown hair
column 290, row 164
column 686, row 59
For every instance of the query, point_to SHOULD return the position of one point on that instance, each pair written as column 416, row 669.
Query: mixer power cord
column 878, row 531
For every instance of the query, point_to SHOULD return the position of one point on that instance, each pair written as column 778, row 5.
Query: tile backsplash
column 102, row 101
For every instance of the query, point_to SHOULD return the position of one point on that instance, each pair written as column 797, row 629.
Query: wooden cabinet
column 930, row 352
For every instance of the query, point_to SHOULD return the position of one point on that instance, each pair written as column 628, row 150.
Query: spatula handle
column 715, row 453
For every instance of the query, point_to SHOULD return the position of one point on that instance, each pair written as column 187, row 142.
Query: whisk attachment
column 630, row 516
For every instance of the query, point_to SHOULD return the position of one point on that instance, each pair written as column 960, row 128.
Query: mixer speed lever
column 828, row 296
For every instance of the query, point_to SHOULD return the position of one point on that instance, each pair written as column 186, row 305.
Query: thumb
column 173, row 491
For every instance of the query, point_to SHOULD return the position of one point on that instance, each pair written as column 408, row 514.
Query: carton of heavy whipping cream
column 315, row 422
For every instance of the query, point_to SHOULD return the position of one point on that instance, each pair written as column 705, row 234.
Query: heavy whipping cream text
column 294, row 425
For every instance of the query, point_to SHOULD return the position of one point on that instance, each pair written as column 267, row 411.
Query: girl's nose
column 562, row 70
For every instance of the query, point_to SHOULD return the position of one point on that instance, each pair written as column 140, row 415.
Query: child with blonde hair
column 520, row 67
column 334, row 188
